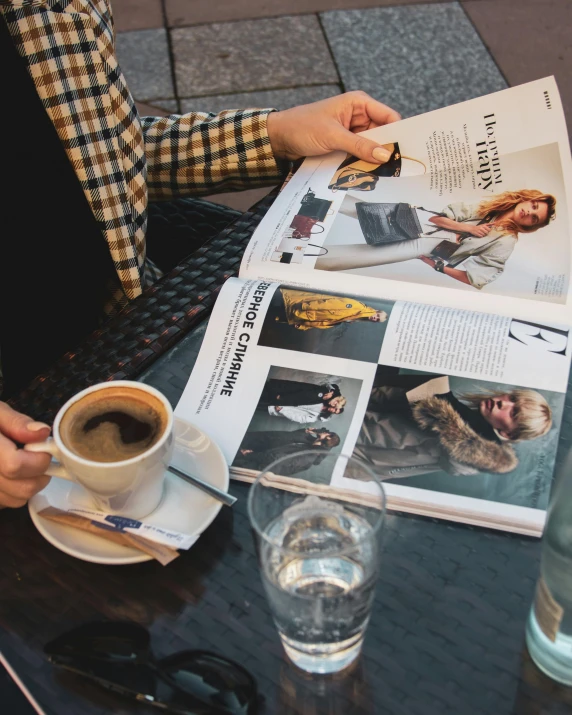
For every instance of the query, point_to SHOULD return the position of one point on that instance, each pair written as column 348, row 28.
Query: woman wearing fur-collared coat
column 416, row 425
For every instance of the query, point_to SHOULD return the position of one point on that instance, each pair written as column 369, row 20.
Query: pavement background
column 185, row 55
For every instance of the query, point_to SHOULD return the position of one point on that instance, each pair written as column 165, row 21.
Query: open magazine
column 415, row 314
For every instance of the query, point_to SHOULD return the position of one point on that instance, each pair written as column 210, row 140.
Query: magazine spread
column 499, row 165
column 454, row 401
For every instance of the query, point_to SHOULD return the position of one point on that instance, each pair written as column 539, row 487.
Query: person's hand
column 21, row 473
column 277, row 408
column 480, row 231
column 427, row 260
column 329, row 125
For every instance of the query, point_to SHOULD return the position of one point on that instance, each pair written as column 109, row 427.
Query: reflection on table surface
column 446, row 633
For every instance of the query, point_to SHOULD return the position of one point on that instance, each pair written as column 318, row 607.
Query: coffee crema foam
column 113, row 424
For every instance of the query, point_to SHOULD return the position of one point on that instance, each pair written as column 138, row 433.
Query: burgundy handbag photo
column 302, row 226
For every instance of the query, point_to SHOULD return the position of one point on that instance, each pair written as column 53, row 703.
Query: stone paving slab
column 146, row 110
column 137, row 14
column 251, row 55
column 144, row 58
column 182, row 12
column 274, row 98
column 415, row 58
column 529, row 40
column 169, row 106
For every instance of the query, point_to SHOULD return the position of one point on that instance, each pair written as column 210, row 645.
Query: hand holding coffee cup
column 21, row 473
column 115, row 440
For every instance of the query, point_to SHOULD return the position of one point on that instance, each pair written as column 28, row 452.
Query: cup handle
column 55, row 469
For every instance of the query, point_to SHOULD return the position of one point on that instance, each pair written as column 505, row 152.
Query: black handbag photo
column 388, row 223
column 445, row 249
column 296, row 257
column 313, row 207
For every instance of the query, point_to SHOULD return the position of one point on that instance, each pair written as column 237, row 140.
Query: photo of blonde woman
column 483, row 236
column 458, row 435
column 416, row 424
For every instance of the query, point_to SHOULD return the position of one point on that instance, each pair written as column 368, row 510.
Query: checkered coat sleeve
column 198, row 152
column 120, row 159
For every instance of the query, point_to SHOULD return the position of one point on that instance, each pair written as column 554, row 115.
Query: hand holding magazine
column 415, row 314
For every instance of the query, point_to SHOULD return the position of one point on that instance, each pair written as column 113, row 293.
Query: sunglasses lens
column 112, row 642
column 223, row 685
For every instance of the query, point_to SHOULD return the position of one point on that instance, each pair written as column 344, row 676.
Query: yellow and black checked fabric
column 121, row 159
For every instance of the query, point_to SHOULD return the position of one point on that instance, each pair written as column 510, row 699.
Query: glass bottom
column 323, row 657
column 553, row 658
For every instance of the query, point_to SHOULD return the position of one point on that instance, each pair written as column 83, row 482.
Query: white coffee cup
column 132, row 487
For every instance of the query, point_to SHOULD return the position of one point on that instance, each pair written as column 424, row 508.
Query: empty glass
column 319, row 556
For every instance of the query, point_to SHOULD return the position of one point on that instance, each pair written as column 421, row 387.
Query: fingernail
column 36, row 426
column 380, row 154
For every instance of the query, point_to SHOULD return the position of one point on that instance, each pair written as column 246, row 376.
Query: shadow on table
column 36, row 578
column 345, row 693
column 537, row 694
column 44, row 593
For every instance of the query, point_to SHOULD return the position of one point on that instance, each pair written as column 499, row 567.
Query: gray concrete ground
column 188, row 55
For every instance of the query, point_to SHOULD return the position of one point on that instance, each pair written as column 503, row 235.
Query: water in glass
column 320, row 582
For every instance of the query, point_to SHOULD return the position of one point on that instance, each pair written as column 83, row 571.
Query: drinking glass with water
column 319, row 556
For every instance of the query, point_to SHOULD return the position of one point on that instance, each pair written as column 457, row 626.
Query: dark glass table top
column 446, row 633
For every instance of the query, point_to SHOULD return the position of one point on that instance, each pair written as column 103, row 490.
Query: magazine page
column 457, row 412
column 471, row 210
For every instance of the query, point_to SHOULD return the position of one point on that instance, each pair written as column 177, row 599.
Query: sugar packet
column 162, row 553
column 138, row 527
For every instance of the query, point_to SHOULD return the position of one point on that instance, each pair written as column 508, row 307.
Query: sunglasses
column 118, row 656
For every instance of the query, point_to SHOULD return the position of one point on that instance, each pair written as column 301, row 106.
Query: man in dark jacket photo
column 259, row 449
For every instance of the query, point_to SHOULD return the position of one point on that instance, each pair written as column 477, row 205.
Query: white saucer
column 184, row 508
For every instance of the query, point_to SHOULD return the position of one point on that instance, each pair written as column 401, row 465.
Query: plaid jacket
column 122, row 159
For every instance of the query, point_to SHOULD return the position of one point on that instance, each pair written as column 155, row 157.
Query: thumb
column 359, row 146
column 19, row 427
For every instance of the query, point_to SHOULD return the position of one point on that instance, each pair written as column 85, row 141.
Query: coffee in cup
column 116, row 441
column 113, row 425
